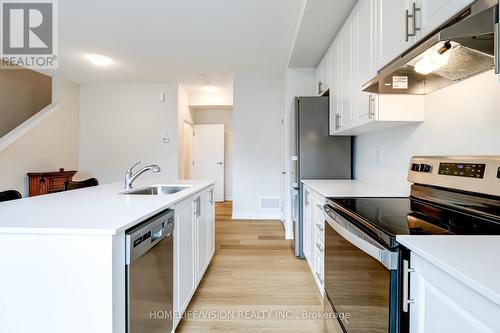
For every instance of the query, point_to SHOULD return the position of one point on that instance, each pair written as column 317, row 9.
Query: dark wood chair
column 73, row 185
column 10, row 195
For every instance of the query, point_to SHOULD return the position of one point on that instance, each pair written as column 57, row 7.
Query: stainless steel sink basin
column 157, row 190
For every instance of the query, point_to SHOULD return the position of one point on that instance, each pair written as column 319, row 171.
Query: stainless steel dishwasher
column 149, row 275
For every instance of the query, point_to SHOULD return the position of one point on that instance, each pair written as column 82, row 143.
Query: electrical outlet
column 378, row 158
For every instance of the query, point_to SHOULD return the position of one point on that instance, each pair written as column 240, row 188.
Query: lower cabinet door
column 201, row 234
column 442, row 303
column 210, row 228
column 184, row 256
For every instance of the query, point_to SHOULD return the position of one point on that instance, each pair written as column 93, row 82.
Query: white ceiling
column 175, row 40
column 321, row 21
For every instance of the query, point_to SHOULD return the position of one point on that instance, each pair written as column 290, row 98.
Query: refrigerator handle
column 295, row 171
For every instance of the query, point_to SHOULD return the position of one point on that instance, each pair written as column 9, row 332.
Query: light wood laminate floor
column 254, row 283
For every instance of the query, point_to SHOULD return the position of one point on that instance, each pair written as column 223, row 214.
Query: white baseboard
column 258, row 215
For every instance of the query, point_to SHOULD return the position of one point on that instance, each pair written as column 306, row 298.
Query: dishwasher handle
column 140, row 239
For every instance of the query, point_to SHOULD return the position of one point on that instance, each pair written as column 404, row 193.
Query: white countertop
column 351, row 188
column 473, row 260
column 94, row 210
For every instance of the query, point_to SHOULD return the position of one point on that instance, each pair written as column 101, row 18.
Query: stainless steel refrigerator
column 317, row 154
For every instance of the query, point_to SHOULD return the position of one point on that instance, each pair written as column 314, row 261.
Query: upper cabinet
column 375, row 34
column 402, row 23
column 395, row 30
column 431, row 14
column 365, row 22
column 323, row 75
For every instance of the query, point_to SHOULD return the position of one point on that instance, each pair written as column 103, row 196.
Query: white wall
column 221, row 116
column 121, row 124
column 462, row 119
column 258, row 142
column 299, row 82
column 184, row 148
column 51, row 145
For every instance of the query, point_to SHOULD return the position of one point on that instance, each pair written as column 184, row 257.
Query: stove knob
column 415, row 167
column 425, row 168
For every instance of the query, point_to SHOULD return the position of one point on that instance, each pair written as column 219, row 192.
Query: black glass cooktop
column 406, row 216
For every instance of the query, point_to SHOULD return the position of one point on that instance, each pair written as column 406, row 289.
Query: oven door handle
column 359, row 239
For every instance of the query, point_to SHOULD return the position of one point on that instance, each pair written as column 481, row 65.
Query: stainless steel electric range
column 366, row 270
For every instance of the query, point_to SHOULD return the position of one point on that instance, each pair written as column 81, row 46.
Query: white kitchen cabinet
column 387, row 111
column 434, row 13
column 335, row 85
column 318, row 242
column 393, row 28
column 441, row 303
column 194, row 246
column 307, row 216
column 346, row 71
column 210, row 225
column 402, row 23
column 204, row 215
column 322, row 75
column 313, row 235
column 365, row 69
column 342, row 105
column 200, row 216
column 184, row 255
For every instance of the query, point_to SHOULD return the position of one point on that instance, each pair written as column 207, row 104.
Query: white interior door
column 208, row 156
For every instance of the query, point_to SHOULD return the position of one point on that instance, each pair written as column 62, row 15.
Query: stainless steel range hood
column 465, row 46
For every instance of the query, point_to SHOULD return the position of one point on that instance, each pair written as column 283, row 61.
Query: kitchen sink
column 157, row 190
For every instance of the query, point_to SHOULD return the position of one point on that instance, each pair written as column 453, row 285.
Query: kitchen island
column 63, row 255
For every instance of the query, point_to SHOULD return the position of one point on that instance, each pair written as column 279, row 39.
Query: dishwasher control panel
column 141, row 238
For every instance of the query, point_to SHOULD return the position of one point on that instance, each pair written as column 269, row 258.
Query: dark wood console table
column 48, row 182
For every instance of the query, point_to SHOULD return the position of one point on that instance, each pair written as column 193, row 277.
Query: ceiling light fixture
column 208, row 88
column 99, row 60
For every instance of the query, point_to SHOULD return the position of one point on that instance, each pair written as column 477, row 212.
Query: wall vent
column 269, row 203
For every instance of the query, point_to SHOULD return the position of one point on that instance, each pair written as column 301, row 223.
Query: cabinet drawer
column 56, row 184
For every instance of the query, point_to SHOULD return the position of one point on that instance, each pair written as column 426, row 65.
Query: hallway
column 254, row 283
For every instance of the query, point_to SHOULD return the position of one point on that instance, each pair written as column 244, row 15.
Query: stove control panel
column 478, row 174
column 471, row 170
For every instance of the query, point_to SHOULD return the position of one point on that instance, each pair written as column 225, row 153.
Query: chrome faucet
column 130, row 176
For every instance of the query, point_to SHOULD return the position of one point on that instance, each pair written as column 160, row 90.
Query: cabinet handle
column 320, row 227
column 198, row 206
column 211, row 196
column 319, row 278
column 406, row 285
column 320, row 87
column 497, row 48
column 371, row 109
column 320, row 248
column 413, row 17
column 337, row 121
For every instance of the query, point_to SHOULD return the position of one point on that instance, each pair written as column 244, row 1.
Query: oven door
column 360, row 278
